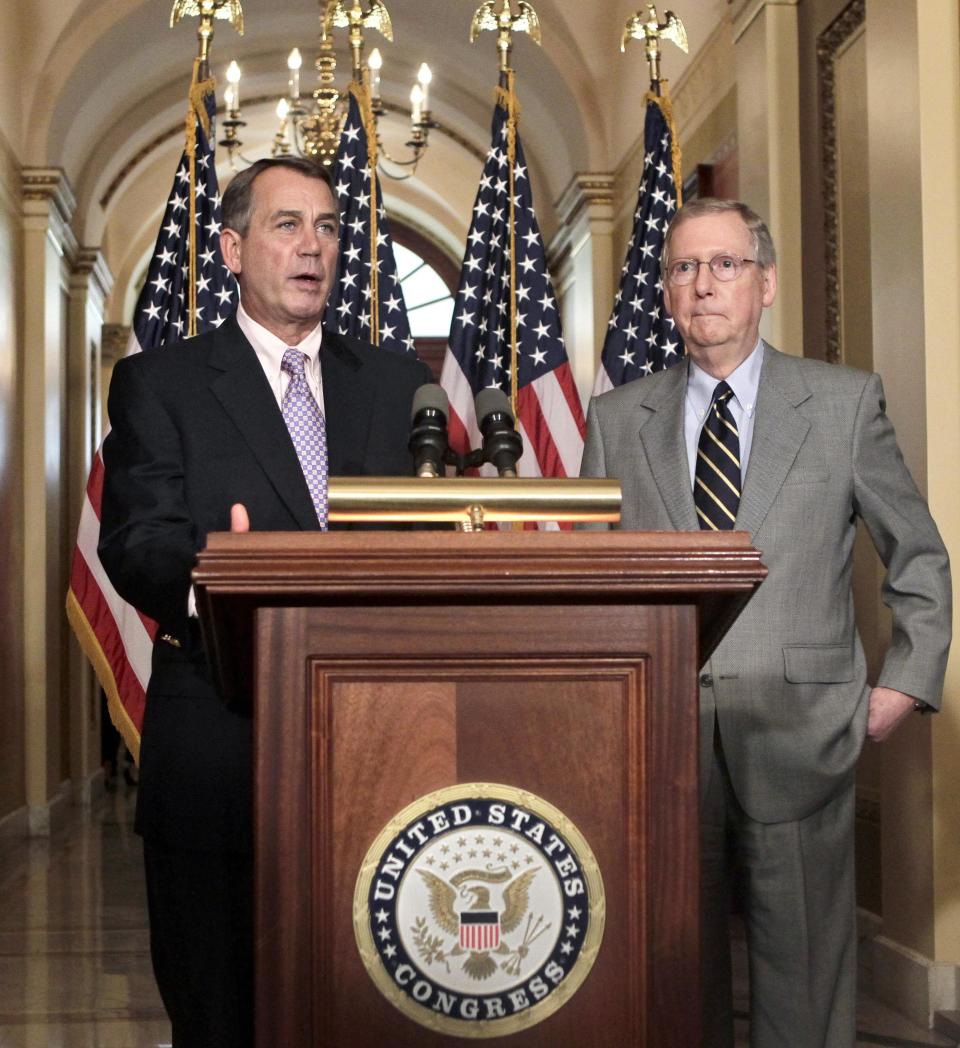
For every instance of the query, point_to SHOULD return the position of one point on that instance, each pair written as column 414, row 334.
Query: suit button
column 706, row 681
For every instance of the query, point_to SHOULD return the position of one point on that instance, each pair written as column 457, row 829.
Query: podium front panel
column 364, row 709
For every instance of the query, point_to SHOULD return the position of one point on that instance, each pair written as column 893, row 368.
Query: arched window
column 429, row 281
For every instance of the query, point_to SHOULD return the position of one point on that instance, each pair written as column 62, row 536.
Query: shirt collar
column 744, row 381
column 270, row 349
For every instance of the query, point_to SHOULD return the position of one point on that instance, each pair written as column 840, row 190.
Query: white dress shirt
column 270, row 350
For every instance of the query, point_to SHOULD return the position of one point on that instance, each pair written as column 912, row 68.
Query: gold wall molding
column 829, row 45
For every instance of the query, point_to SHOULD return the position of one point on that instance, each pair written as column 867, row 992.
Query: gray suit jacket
column 789, row 688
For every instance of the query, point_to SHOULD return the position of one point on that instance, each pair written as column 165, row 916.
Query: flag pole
column 506, row 332
column 115, row 637
column 511, row 106
column 506, row 23
column 651, row 30
column 201, row 85
column 641, row 336
column 661, row 99
column 360, row 91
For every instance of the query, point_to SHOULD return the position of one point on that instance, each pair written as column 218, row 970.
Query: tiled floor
column 74, row 953
column 876, row 1024
column 74, row 950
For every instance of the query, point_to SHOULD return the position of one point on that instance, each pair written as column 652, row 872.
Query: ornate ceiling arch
column 109, row 104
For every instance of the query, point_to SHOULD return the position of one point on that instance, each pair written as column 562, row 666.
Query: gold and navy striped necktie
column 716, row 488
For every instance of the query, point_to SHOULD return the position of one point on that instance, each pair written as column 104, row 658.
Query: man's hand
column 887, row 709
column 239, row 519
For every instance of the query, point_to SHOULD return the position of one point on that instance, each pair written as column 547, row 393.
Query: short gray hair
column 762, row 241
column 237, row 204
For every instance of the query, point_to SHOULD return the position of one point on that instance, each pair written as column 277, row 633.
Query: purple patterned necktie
column 308, row 431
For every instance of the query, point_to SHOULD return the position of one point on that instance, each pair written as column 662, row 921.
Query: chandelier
column 310, row 126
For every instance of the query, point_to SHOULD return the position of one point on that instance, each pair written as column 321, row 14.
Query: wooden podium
column 386, row 665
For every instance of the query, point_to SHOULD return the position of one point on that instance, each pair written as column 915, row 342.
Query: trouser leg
column 201, row 944
column 715, row 972
column 801, row 927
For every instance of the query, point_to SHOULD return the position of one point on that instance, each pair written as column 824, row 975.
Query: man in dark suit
column 240, row 428
column 793, row 451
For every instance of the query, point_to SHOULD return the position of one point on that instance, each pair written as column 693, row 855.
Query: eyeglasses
column 723, row 267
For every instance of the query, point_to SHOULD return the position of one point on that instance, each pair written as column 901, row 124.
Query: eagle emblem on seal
column 463, row 908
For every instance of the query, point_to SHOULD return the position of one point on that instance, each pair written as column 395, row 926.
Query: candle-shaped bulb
column 294, row 61
column 424, row 76
column 283, row 108
column 416, row 102
column 233, row 78
column 375, row 62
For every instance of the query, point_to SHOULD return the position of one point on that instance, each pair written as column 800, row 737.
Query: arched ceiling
column 106, row 91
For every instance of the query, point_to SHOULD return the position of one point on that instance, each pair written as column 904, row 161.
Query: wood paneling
column 565, row 665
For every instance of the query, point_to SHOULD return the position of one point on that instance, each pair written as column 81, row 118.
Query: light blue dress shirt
column 745, row 383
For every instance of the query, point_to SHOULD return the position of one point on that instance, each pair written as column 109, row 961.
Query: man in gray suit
column 792, row 451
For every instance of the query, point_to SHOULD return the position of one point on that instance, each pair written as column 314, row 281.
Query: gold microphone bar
column 473, row 501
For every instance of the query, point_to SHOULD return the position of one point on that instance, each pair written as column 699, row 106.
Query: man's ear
column 769, row 285
column 231, row 248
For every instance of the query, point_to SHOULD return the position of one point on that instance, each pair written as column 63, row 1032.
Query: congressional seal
column 479, row 910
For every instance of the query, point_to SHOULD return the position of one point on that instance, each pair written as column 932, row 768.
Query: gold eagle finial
column 208, row 9
column 348, row 14
column 505, row 23
column 651, row 30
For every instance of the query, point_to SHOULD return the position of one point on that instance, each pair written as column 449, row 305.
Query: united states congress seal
column 479, row 910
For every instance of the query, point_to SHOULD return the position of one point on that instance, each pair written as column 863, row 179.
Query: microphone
column 502, row 444
column 428, row 434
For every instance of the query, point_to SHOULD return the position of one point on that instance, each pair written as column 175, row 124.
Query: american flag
column 366, row 302
column 182, row 279
column 641, row 337
column 505, row 249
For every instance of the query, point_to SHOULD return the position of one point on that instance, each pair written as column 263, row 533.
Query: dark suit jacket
column 788, row 684
column 196, row 428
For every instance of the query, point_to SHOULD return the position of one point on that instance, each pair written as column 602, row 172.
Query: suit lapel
column 663, row 442
column 348, row 404
column 242, row 389
column 778, row 433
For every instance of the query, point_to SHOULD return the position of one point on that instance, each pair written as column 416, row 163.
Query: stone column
column 581, row 257
column 48, row 251
column 90, row 285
